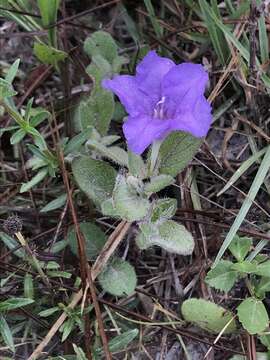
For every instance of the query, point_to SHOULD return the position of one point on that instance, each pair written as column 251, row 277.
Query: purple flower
column 162, row 97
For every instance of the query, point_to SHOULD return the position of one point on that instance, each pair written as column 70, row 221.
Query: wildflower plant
column 168, row 116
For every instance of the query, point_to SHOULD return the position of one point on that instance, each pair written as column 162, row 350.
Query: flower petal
column 185, row 82
column 150, row 72
column 126, row 88
column 141, row 131
column 195, row 120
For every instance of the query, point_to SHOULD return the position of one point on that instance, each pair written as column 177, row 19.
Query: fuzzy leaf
column 95, row 178
column 208, row 316
column 253, row 315
column 245, row 267
column 55, row 204
column 94, row 239
column 129, row 205
column 169, row 235
column 6, row 89
column 240, row 247
column 158, row 183
column 97, row 111
column 176, row 152
column 119, row 278
column 222, row 277
column 164, row 209
column 34, row 181
column 136, row 165
column 114, row 153
column 101, row 43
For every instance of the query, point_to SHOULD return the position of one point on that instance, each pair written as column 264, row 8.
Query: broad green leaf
column 118, row 278
column 262, row 287
column 94, row 239
column 59, row 246
column 129, row 205
column 34, row 181
column 96, row 111
column 240, row 247
column 265, row 340
column 263, row 269
column 136, row 165
column 163, row 209
column 176, row 152
column 94, row 177
column 101, row 43
column 28, row 286
column 6, row 333
column 14, row 303
column 78, row 140
column 245, row 267
column 222, row 277
column 108, row 209
column 208, row 316
column 169, row 235
column 253, row 315
column 114, row 153
column 55, row 204
column 158, row 183
column 48, row 55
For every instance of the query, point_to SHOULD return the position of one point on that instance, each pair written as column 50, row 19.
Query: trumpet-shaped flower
column 162, row 97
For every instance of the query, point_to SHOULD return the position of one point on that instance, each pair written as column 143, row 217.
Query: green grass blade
column 240, row 171
column 255, row 187
column 151, row 12
column 263, row 38
column 216, row 35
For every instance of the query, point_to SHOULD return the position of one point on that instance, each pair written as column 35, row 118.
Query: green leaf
column 263, row 269
column 114, row 153
column 49, row 312
column 249, row 199
column 163, row 209
column 208, row 316
column 55, row 204
column 48, row 11
column 240, row 247
column 17, row 136
column 6, row 89
column 108, row 209
column 6, row 333
column 101, row 43
column 77, row 141
column 48, row 55
column 34, row 181
column 262, row 287
column 14, row 303
column 12, row 71
column 97, row 111
column 169, row 235
column 119, row 278
column 245, row 267
column 136, row 165
column 11, row 244
column 66, row 328
column 265, row 340
column 158, row 183
column 94, row 237
column 176, row 152
column 253, row 315
column 120, row 342
column 94, row 177
column 129, row 205
column 222, row 277
column 28, row 286
column 80, row 355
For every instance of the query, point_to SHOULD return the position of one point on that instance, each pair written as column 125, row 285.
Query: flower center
column 160, row 110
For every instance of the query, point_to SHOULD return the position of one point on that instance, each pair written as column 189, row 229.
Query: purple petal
column 141, row 131
column 196, row 121
column 185, row 82
column 150, row 72
column 126, row 88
